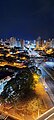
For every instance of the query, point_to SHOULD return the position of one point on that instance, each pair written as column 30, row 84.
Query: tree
column 19, row 86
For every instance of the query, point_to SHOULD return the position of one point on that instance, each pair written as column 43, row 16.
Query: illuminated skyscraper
column 13, row 42
column 52, row 42
column 39, row 42
column 22, row 43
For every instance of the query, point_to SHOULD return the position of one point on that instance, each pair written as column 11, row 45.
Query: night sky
column 27, row 19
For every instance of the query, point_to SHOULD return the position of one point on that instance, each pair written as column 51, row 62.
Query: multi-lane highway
column 49, row 115
column 48, row 75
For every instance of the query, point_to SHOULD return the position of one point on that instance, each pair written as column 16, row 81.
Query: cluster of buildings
column 13, row 42
column 39, row 43
column 44, row 44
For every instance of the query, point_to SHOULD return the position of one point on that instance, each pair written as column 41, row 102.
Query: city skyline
column 27, row 19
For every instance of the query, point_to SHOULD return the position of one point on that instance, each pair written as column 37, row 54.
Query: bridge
column 49, row 115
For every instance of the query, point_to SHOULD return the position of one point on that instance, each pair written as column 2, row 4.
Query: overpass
column 49, row 115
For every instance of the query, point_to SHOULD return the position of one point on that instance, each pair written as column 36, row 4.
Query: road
column 49, row 115
column 49, row 67
column 47, row 74
column 3, row 116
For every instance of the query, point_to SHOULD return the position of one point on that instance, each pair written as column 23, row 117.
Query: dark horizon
column 27, row 19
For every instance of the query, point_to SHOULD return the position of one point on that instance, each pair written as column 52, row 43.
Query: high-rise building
column 52, row 42
column 22, row 43
column 39, row 42
column 18, row 43
column 13, row 42
column 48, row 43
